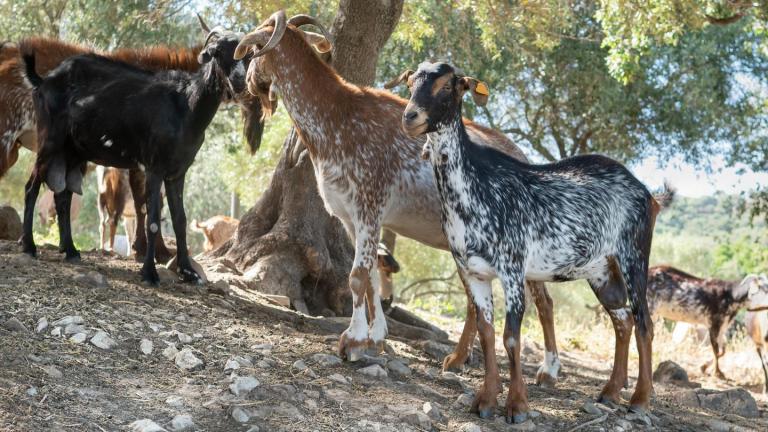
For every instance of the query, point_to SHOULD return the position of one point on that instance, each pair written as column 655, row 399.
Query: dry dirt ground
column 223, row 360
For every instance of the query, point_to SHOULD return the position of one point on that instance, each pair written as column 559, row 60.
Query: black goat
column 94, row 109
column 586, row 217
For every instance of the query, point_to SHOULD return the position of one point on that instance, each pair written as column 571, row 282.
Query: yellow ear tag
column 482, row 89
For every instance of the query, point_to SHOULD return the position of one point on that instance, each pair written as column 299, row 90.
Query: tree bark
column 287, row 243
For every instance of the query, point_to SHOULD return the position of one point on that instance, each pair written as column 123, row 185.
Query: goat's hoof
column 454, row 362
column 545, row 380
column 189, row 275
column 720, row 375
column 486, row 413
column 73, row 258
column 484, row 405
column 31, row 251
column 150, row 276
column 516, row 418
column 638, row 409
column 350, row 349
column 609, row 401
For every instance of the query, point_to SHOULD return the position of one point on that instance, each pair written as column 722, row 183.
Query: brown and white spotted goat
column 586, row 217
column 713, row 303
column 367, row 169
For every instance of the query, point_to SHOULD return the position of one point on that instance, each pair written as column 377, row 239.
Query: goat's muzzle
column 414, row 121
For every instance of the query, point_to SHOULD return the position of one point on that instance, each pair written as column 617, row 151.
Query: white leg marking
column 551, row 364
column 378, row 330
column 153, row 227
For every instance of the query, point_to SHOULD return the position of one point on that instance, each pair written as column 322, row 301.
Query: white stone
column 231, row 365
column 170, row 352
column 470, row 427
column 326, row 360
column 145, row 425
column 32, row 391
column 53, row 372
column 243, row 385
column 187, row 360
column 432, row 411
column 74, row 328
column 240, row 415
column 375, row 371
column 146, row 346
column 175, row 401
column 182, row 422
column 299, row 365
column 339, row 378
column 69, row 319
column 103, row 341
column 42, row 324
column 56, row 332
column 184, row 338
column 78, row 338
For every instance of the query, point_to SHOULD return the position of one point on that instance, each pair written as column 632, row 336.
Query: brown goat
column 217, row 230
column 115, row 202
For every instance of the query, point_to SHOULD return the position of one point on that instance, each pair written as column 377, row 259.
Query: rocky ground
column 86, row 347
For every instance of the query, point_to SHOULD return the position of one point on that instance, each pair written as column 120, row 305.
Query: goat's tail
column 30, row 72
column 665, row 196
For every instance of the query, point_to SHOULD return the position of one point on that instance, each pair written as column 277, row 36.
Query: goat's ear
column 318, row 42
column 478, row 88
column 405, row 76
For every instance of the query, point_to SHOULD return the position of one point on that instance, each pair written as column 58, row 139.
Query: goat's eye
column 447, row 86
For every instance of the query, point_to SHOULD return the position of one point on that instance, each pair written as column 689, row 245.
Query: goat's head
column 266, row 38
column 436, row 92
column 218, row 51
column 757, row 293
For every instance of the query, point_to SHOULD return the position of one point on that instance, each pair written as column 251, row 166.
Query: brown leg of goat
column 622, row 327
column 460, row 354
column 547, row 374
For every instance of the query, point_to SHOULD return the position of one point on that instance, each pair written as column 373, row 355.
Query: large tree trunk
column 288, row 243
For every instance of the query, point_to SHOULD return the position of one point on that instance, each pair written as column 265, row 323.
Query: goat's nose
column 410, row 115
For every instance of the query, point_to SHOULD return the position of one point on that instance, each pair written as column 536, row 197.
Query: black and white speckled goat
column 586, row 217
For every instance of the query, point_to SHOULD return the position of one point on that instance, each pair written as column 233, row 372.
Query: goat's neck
column 312, row 93
column 205, row 97
column 449, row 141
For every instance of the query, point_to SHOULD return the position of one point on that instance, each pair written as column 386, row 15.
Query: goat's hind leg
column 175, row 192
column 463, row 350
column 611, row 291
column 31, row 191
column 63, row 202
column 548, row 371
column 514, row 291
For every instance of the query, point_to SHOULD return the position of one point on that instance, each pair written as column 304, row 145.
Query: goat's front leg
column 148, row 271
column 137, row 180
column 482, row 297
column 174, row 190
column 513, row 282
column 547, row 373
column 463, row 350
column 718, row 347
column 32, row 190
column 63, row 202
column 355, row 338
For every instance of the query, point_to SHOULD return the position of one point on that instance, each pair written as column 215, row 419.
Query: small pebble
column 146, row 346
column 42, row 324
column 103, row 341
column 78, row 338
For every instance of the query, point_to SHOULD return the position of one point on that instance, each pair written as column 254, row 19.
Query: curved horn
column 203, row 25
column 278, row 23
column 302, row 19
